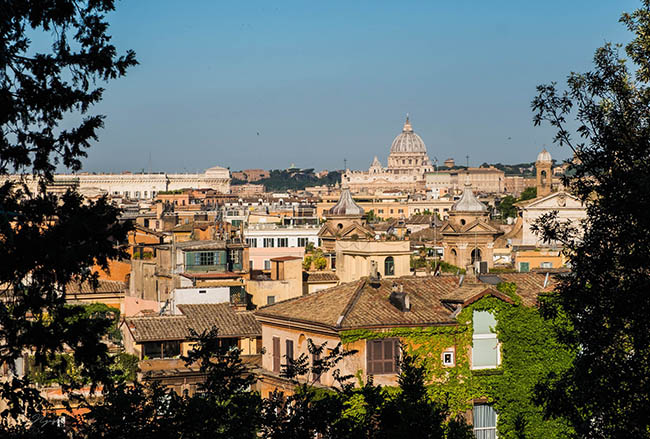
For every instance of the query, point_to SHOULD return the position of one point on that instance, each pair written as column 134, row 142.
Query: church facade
column 407, row 165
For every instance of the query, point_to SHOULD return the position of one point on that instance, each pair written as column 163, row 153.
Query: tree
column 49, row 241
column 602, row 307
column 507, row 208
column 528, row 194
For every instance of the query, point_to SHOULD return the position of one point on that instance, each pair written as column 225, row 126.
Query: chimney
column 399, row 299
column 375, row 277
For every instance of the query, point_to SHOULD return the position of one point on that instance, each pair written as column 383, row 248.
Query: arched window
column 454, row 256
column 476, row 255
column 389, row 266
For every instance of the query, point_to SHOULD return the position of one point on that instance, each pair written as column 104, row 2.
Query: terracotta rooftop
column 201, row 245
column 319, row 276
column 103, row 286
column 231, row 323
column 361, row 304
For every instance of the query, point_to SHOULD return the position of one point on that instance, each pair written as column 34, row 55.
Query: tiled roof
column 428, row 234
column 361, row 304
column 319, row 276
column 201, row 245
column 422, row 219
column 231, row 323
column 285, row 258
column 103, row 286
column 471, row 292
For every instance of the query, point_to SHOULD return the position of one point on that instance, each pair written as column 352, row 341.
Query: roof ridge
column 351, row 303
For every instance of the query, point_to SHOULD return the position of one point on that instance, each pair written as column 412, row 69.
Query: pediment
column 326, row 231
column 354, row 228
column 480, row 226
column 556, row 200
column 449, row 228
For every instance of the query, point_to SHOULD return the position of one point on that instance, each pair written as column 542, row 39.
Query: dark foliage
column 602, row 308
column 48, row 241
column 281, row 180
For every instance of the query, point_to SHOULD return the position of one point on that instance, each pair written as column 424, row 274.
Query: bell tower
column 544, row 177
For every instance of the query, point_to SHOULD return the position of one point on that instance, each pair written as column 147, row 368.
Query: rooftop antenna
column 345, row 165
column 467, row 158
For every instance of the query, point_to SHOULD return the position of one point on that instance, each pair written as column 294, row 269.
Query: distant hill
column 295, row 179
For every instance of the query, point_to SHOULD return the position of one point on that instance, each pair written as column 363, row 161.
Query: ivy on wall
column 529, row 351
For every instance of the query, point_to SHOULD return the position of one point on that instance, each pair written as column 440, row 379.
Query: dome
column 544, row 156
column 346, row 205
column 408, row 141
column 468, row 202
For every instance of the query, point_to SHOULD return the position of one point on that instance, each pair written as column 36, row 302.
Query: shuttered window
column 276, row 354
column 382, row 356
column 289, row 353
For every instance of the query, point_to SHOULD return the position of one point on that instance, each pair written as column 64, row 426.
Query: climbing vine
column 529, row 351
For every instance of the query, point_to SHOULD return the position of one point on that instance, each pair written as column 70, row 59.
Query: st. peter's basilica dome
column 408, row 141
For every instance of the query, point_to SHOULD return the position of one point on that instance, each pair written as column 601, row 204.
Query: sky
column 263, row 84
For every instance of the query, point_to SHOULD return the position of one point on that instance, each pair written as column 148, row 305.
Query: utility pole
column 345, row 165
column 467, row 158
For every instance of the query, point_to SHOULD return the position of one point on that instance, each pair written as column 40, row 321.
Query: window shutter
column 289, row 350
column 276, row 354
column 369, row 363
column 389, row 359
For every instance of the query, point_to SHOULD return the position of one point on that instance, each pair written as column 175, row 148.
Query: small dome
column 346, row 205
column 408, row 141
column 468, row 202
column 544, row 156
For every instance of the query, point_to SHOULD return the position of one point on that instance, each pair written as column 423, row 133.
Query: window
column 270, row 300
column 546, row 265
column 389, row 266
column 380, row 210
column 165, row 349
column 381, row 356
column 203, row 291
column 485, row 422
column 289, row 350
column 302, row 242
column 146, row 222
column 283, row 242
column 137, row 194
column 268, row 242
column 204, row 258
column 448, row 358
column 485, row 345
column 524, row 267
column 267, row 264
column 252, row 242
column 276, row 354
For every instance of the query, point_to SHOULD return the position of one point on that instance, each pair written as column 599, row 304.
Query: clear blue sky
column 323, row 81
